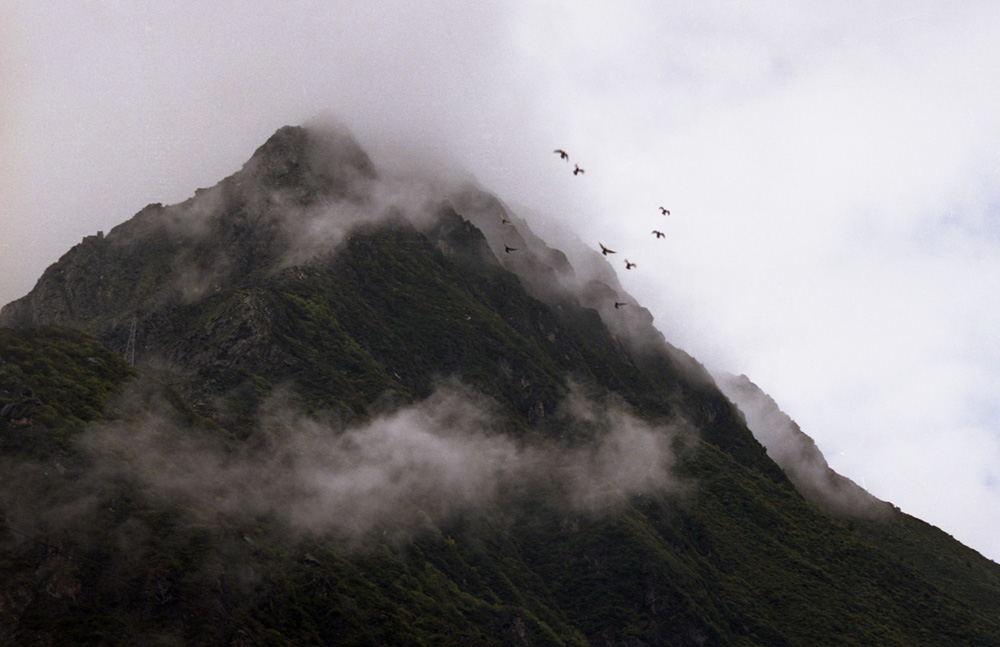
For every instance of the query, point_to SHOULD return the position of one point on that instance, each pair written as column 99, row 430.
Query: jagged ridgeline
column 318, row 405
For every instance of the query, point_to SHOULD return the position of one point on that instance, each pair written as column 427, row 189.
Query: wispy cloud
column 390, row 477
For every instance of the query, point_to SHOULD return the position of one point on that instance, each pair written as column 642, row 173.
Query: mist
column 392, row 477
column 797, row 454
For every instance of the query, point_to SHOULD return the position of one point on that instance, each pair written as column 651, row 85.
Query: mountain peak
column 323, row 159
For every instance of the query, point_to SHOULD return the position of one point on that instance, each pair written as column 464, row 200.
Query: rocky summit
column 318, row 405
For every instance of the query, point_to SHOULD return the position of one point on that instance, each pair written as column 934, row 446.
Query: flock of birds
column 604, row 250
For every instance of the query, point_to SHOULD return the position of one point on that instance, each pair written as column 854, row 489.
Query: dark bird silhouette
column 504, row 221
column 606, row 251
column 628, row 265
column 658, row 234
column 561, row 154
column 577, row 170
column 664, row 211
column 508, row 248
column 619, row 304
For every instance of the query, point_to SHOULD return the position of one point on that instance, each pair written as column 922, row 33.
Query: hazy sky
column 832, row 169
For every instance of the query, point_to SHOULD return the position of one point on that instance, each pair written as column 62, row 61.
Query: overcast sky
column 832, row 169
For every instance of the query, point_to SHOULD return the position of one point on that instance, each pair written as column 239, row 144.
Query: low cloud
column 428, row 463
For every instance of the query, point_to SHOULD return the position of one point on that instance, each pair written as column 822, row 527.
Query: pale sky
column 832, row 169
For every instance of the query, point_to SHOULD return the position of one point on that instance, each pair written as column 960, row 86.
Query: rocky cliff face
column 242, row 228
column 290, row 205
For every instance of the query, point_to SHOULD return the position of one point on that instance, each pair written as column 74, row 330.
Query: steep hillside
column 797, row 454
column 355, row 419
column 915, row 543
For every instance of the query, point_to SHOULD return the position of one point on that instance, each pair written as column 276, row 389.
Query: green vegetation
column 52, row 382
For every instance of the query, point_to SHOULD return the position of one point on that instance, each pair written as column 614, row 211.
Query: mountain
column 315, row 404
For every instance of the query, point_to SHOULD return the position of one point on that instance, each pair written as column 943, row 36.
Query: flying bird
column 577, row 170
column 628, row 265
column 619, row 304
column 508, row 248
column 561, row 154
column 504, row 221
column 664, row 211
column 606, row 251
column 658, row 234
